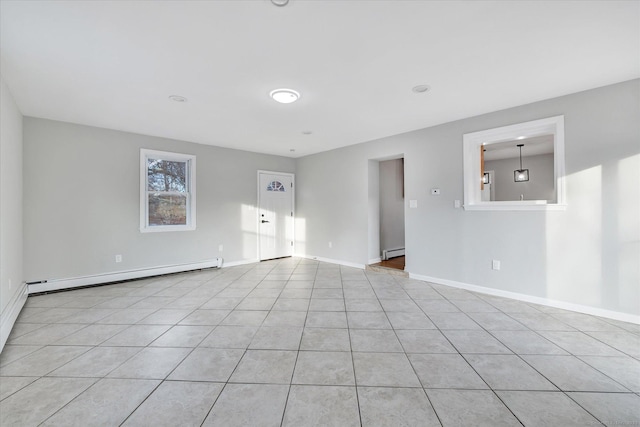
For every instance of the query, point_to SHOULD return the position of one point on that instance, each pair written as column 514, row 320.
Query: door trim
column 293, row 208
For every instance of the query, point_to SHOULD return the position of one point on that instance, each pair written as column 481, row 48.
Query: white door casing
column 275, row 214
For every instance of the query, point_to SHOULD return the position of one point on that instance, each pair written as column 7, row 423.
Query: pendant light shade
column 521, row 175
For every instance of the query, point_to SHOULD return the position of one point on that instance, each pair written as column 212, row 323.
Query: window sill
column 524, row 205
column 166, row 228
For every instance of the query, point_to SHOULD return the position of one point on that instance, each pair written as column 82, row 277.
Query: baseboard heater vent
column 49, row 285
column 392, row 253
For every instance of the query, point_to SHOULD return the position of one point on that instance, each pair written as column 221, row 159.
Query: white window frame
column 144, row 190
column 471, row 161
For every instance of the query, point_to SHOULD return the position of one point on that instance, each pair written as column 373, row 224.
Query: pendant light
column 521, row 175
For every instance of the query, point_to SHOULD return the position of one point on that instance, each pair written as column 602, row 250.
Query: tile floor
column 299, row 343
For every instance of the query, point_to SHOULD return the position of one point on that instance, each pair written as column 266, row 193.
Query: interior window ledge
column 524, row 205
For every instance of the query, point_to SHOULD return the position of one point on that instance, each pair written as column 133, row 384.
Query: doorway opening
column 386, row 214
column 275, row 215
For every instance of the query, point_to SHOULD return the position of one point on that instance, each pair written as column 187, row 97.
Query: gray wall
column 541, row 185
column 391, row 204
column 11, row 260
column 586, row 255
column 82, row 202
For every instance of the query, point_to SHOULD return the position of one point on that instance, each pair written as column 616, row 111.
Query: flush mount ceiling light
column 280, row 3
column 178, row 98
column 284, row 96
column 421, row 88
column 521, row 175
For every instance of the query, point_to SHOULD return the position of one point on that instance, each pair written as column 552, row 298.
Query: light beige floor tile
column 374, row 340
column 611, row 408
column 207, row 364
column 265, row 367
column 571, row 374
column 183, row 336
column 42, row 361
column 478, row 408
column 323, row 339
column 321, row 406
column 326, row 319
column 39, row 400
column 245, row 318
column 10, row 385
column 507, row 372
column 324, row 368
column 242, row 405
column 107, row 402
column 11, row 353
column 48, row 334
column 445, row 371
column 230, row 337
column 384, row 370
column 546, row 409
column 97, row 362
column 176, row 403
column 137, row 335
column 276, row 338
column 368, row 320
column 424, row 341
column 392, row 407
column 91, row 335
column 151, row 363
column 165, row 316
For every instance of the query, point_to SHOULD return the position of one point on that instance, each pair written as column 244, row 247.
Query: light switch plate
column 413, row 204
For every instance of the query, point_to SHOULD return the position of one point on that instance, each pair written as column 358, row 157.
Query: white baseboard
column 392, row 253
column 374, row 261
column 610, row 314
column 57, row 284
column 332, row 261
column 11, row 312
column 241, row 262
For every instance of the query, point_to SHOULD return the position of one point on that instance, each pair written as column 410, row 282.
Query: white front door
column 275, row 214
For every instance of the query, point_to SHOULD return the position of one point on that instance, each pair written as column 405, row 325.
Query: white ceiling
column 113, row 64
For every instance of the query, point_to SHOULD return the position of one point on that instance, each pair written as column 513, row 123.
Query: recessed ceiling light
column 178, row 98
column 306, row 132
column 284, row 96
column 421, row 88
column 521, row 137
column 280, row 3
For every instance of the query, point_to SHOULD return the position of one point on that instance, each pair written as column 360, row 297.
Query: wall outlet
column 118, row 258
column 495, row 264
column 220, row 248
column 330, row 244
column 435, row 191
column 457, row 204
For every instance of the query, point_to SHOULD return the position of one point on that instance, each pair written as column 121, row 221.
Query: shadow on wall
column 605, row 194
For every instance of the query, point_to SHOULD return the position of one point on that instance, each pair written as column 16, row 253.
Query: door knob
column 263, row 221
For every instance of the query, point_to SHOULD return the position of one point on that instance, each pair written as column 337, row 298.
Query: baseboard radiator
column 48, row 285
column 392, row 253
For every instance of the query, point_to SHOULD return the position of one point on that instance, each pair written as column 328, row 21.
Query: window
column 275, row 186
column 167, row 191
column 494, row 159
